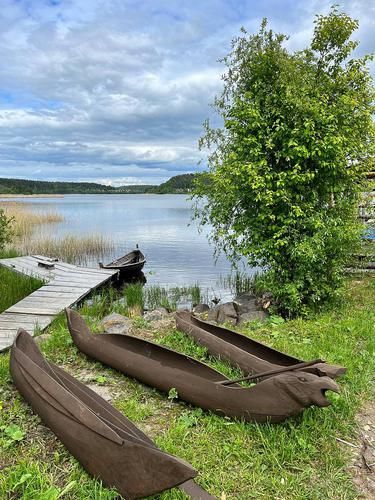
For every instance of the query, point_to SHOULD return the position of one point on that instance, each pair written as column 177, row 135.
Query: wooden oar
column 297, row 366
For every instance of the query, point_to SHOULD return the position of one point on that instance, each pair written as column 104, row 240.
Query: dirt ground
column 362, row 467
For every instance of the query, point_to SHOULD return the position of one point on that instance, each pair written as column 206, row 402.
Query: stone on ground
column 116, row 323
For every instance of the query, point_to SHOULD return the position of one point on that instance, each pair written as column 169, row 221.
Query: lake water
column 177, row 254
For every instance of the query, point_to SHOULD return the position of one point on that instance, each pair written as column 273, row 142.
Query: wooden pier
column 65, row 286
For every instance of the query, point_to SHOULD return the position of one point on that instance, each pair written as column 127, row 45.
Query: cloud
column 117, row 90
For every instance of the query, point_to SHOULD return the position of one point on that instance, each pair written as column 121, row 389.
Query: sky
column 116, row 91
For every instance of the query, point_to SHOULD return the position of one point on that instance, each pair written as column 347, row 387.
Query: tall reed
column 25, row 219
column 70, row 248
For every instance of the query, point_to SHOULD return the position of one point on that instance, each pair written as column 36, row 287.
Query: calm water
column 177, row 254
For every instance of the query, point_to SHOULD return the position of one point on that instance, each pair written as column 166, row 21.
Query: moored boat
column 271, row 400
column 251, row 356
column 107, row 444
column 131, row 263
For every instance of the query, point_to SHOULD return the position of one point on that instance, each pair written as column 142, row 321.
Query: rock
column 201, row 308
column 101, row 390
column 213, row 314
column 116, row 323
column 156, row 314
column 252, row 316
column 225, row 313
column 246, row 303
column 41, row 338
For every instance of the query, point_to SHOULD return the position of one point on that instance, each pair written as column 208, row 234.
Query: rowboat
column 103, row 440
column 131, row 263
column 251, row 356
column 271, row 400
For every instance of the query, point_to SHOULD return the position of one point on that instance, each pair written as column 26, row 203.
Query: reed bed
column 25, row 219
column 238, row 282
column 154, row 296
column 69, row 248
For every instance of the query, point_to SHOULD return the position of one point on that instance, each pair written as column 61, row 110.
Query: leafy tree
column 286, row 167
column 5, row 229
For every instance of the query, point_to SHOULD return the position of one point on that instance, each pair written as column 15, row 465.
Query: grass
column 298, row 459
column 14, row 289
column 238, row 282
column 69, row 248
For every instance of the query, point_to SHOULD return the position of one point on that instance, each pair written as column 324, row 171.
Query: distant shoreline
column 31, row 195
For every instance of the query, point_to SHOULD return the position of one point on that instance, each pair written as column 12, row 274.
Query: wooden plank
column 43, row 304
column 42, row 311
column 62, row 289
column 4, row 334
column 5, row 316
column 86, row 270
column 50, row 294
column 31, row 271
column 80, row 283
column 31, row 299
column 59, row 265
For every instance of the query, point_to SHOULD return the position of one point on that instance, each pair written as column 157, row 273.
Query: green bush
column 287, row 167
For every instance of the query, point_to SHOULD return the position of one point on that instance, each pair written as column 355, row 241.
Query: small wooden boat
column 251, row 356
column 271, row 400
column 131, row 263
column 103, row 440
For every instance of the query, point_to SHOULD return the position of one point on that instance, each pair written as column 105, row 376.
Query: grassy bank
column 299, row 459
column 14, row 287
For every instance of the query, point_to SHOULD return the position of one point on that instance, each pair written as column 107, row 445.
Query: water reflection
column 176, row 253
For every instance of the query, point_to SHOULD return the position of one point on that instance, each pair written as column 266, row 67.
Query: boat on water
column 271, row 400
column 107, row 444
column 129, row 264
column 250, row 356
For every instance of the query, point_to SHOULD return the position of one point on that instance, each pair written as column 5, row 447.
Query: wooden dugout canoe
column 107, row 444
column 251, row 356
column 271, row 400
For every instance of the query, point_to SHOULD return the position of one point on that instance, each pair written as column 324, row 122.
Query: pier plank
column 65, row 286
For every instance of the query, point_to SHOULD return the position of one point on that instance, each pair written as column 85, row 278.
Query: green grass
column 298, row 459
column 15, row 287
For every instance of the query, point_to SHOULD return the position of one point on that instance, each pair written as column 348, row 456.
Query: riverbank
column 305, row 457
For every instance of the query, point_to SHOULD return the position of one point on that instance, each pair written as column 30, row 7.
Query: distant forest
column 178, row 184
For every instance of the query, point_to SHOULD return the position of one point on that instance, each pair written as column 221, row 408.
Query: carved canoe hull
column 107, row 444
column 251, row 356
column 271, row 400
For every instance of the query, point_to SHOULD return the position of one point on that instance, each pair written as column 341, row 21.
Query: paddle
column 297, row 366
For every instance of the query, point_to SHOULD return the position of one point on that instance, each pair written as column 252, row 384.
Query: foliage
column 5, row 229
column 178, row 184
column 286, row 168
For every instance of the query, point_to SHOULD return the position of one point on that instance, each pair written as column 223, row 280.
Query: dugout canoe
column 107, row 444
column 251, row 356
column 271, row 400
column 129, row 264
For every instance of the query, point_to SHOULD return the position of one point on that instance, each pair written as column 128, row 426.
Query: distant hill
column 178, row 184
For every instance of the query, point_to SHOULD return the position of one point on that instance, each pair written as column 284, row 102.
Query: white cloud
column 116, row 89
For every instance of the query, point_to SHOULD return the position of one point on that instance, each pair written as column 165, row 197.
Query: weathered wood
column 66, row 286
